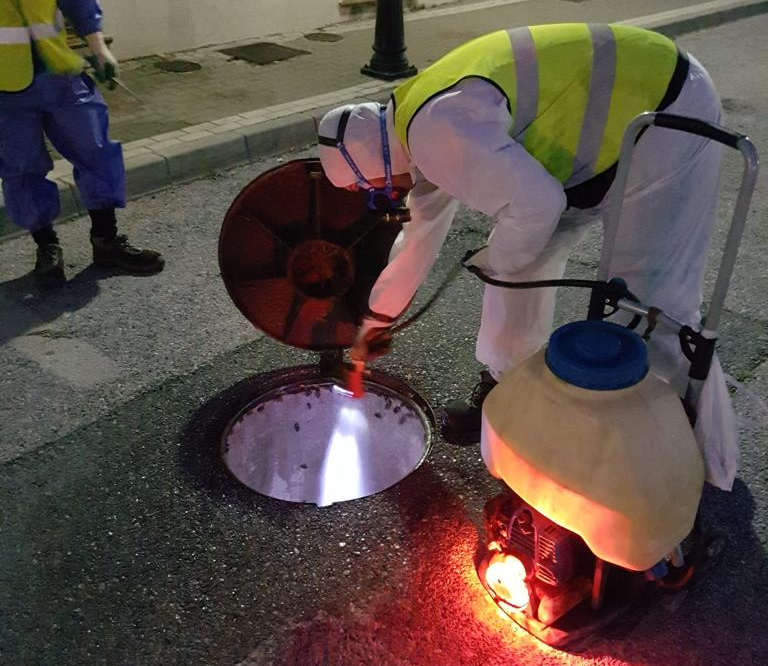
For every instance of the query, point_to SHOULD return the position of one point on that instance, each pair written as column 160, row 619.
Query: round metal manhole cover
column 307, row 440
column 178, row 66
column 319, row 269
column 323, row 37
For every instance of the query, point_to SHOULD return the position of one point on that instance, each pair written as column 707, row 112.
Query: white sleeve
column 459, row 140
column 414, row 250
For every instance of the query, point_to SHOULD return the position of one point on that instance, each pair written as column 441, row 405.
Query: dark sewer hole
column 262, row 53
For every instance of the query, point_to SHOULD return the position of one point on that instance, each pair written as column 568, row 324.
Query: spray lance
column 379, row 340
column 355, row 378
column 107, row 74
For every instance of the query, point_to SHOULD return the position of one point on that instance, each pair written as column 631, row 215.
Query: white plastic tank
column 585, row 434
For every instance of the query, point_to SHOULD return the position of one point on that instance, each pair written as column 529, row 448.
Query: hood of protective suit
column 362, row 139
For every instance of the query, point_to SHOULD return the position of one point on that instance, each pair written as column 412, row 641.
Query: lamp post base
column 389, row 61
column 388, row 73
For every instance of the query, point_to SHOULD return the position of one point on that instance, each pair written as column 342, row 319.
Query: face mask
column 385, row 199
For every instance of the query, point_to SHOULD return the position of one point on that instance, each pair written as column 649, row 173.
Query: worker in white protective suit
column 525, row 125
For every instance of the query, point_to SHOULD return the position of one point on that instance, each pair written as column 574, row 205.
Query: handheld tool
column 109, row 78
column 355, row 379
column 117, row 82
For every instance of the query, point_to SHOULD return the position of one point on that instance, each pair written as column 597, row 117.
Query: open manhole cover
column 262, row 53
column 307, row 440
column 323, row 37
column 178, row 66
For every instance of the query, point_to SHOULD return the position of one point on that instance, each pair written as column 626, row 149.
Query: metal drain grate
column 262, row 53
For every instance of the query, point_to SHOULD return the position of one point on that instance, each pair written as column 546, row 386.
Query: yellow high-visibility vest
column 22, row 23
column 571, row 88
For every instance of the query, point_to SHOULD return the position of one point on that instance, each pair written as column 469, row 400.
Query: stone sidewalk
column 229, row 111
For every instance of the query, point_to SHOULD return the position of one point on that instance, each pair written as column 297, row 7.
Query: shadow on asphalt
column 25, row 306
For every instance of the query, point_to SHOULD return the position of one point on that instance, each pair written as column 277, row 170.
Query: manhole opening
column 262, row 53
column 323, row 37
column 178, row 66
column 310, row 441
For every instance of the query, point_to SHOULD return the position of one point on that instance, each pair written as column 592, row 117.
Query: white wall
column 142, row 27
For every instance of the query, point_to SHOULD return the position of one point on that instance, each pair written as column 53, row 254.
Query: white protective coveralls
column 460, row 151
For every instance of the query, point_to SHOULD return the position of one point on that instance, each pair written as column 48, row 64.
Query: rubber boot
column 119, row 253
column 460, row 422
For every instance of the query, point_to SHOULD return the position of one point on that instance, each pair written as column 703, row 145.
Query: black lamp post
column 389, row 61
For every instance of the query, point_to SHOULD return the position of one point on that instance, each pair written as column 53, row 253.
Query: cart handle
column 710, row 131
column 700, row 127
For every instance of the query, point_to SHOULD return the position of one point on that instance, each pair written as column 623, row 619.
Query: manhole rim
column 313, row 374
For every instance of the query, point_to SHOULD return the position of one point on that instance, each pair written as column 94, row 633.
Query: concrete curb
column 699, row 17
column 154, row 163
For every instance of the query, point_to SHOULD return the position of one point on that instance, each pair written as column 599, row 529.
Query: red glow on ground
column 435, row 611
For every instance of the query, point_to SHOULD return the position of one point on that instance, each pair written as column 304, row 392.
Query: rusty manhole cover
column 262, row 53
column 178, row 66
column 323, row 37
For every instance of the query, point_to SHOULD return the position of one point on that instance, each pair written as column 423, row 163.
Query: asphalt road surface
column 123, row 540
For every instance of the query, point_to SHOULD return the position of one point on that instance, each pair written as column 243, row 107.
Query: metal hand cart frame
column 697, row 345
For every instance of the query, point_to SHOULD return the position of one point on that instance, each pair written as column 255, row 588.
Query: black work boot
column 119, row 253
column 49, row 267
column 460, row 422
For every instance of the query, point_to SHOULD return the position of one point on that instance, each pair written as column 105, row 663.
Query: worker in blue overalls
column 45, row 92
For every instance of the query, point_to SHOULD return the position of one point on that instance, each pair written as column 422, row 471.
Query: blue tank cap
column 597, row 355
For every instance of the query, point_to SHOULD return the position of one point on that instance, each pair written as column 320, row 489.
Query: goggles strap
column 362, row 181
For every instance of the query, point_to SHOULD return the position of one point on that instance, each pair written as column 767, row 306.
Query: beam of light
column 342, row 475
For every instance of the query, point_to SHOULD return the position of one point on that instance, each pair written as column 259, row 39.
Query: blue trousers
column 71, row 112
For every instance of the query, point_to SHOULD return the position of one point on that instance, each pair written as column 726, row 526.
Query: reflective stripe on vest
column 48, row 30
column 14, row 36
column 21, row 23
column 16, row 68
column 571, row 89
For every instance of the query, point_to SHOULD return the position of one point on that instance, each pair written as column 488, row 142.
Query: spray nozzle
column 355, row 378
